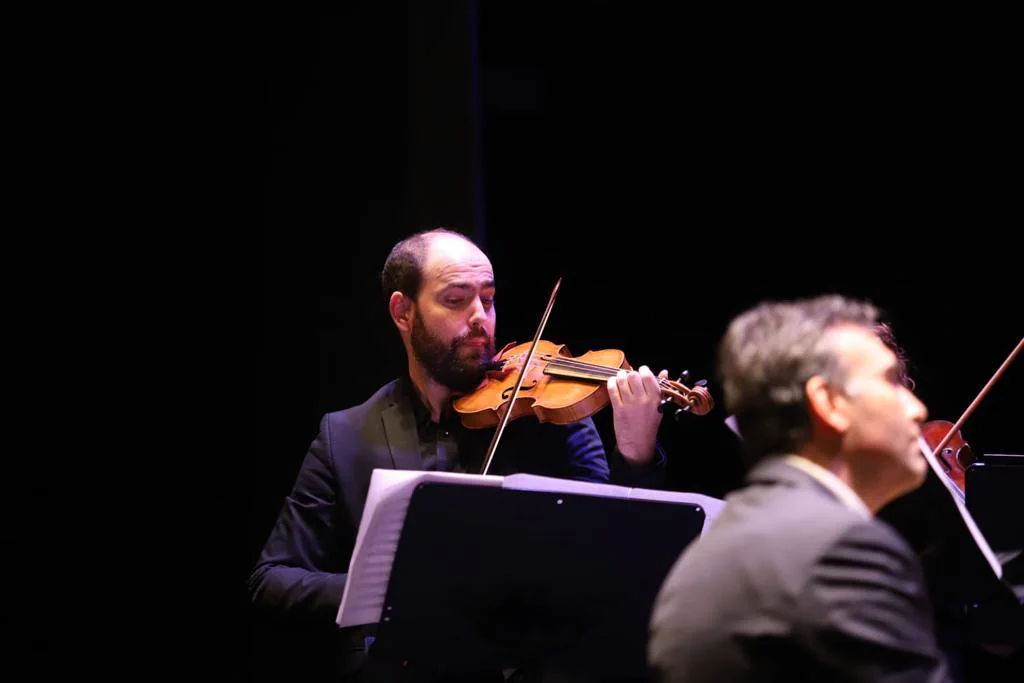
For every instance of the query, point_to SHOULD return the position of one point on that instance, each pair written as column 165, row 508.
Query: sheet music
column 958, row 498
column 369, row 571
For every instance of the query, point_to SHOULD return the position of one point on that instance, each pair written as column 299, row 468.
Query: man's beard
column 443, row 361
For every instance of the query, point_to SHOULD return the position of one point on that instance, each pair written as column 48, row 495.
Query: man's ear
column 400, row 308
column 826, row 404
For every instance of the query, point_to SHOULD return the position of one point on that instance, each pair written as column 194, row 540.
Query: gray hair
column 767, row 355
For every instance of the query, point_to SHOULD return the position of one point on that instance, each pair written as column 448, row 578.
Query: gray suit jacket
column 791, row 585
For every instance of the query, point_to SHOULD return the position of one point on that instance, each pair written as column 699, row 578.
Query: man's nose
column 918, row 410
column 477, row 314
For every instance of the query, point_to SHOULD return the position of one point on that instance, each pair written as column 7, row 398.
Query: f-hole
column 508, row 390
column 945, row 453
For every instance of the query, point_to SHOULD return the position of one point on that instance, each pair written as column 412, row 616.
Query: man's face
column 452, row 333
column 884, row 415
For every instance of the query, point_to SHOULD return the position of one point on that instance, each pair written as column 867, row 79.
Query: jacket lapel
column 400, row 431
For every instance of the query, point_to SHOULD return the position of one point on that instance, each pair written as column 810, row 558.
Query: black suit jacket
column 790, row 584
column 302, row 568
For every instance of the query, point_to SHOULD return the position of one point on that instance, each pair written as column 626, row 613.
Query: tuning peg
column 680, row 411
column 664, row 403
column 684, row 377
column 700, row 383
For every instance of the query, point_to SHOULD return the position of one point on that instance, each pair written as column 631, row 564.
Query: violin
column 955, row 455
column 560, row 388
column 541, row 378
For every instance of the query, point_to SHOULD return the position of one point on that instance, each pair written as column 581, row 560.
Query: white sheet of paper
column 387, row 502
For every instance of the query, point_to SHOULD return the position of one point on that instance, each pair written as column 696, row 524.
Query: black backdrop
column 673, row 170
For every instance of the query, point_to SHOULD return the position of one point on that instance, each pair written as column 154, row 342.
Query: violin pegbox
column 696, row 400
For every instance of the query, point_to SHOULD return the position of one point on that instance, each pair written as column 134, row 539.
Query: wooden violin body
column 955, row 456
column 558, row 387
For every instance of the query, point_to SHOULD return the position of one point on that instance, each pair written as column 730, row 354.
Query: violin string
column 602, row 371
column 676, row 389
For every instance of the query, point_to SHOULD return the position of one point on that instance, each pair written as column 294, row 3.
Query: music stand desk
column 492, row 578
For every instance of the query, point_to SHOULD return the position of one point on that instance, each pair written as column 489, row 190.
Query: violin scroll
column 696, row 400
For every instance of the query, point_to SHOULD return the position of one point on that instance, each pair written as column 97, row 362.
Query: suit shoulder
column 820, row 519
column 769, row 535
column 358, row 414
column 867, row 566
column 868, row 587
column 872, row 540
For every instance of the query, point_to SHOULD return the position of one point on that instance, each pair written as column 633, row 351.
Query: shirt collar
column 421, row 413
column 844, row 493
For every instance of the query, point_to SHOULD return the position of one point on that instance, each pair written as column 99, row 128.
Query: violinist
column 440, row 290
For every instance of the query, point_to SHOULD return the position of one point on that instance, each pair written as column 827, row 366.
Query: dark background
column 671, row 168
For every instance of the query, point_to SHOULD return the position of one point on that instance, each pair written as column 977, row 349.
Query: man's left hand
column 635, row 397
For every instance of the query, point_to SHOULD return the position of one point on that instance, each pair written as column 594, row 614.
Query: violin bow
column 977, row 400
column 519, row 382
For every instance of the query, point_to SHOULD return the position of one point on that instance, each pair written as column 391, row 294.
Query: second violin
column 956, row 454
column 560, row 388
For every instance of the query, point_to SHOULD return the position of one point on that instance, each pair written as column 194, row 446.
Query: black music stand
column 490, row 578
column 994, row 489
